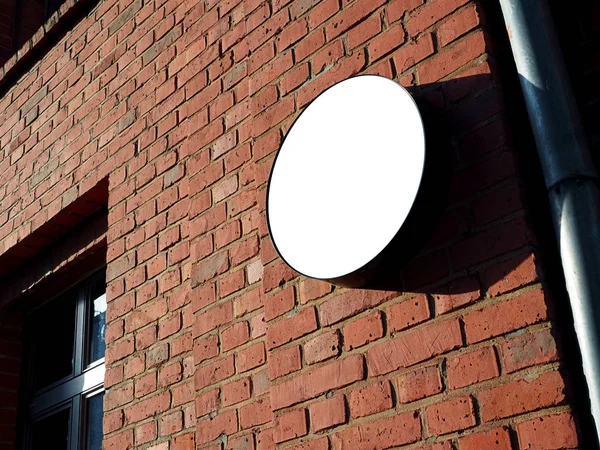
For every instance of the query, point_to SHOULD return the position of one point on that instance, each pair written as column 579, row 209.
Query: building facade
column 136, row 140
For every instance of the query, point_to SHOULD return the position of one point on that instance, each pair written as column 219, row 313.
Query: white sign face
column 346, row 177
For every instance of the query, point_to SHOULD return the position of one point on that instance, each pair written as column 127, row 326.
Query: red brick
column 317, row 381
column 533, row 348
column 362, row 331
column 256, row 413
column 327, row 56
column 364, row 31
column 460, row 23
column 264, row 440
column 413, row 347
column 251, row 357
column 419, row 384
column 248, row 302
column 397, row 8
column 245, row 442
column 277, row 275
column 214, row 372
column 431, row 13
column 346, row 67
column 244, row 250
column 548, row 432
column 309, row 45
column 210, row 429
column 522, row 396
column 380, row 434
column 371, row 399
column 412, row 53
column 316, row 444
column 322, row 347
column 116, row 397
column 235, row 336
column 407, row 313
column 290, row 425
column 471, row 368
column 279, row 303
column 171, row 423
column 386, row 42
column 458, row 293
column 508, row 315
column 213, row 318
column 236, row 392
column 321, row 12
column 209, row 268
column 120, row 441
column 311, row 289
column 350, row 16
column 113, row 421
column 350, row 303
column 284, row 362
column 170, row 374
column 292, row 34
column 232, row 282
column 451, row 415
column 206, row 348
column 183, row 442
column 207, row 402
column 496, row 439
column 148, row 407
column 327, row 413
column 511, row 274
column 270, row 72
column 288, row 329
column 452, row 58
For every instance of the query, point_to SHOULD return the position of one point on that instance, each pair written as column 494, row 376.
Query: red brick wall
column 212, row 341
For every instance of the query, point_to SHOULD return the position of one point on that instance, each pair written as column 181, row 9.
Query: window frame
column 72, row 391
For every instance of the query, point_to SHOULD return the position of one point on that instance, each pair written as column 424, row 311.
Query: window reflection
column 94, row 422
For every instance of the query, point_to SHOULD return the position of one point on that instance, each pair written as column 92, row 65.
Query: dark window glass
column 94, row 422
column 63, row 390
column 97, row 320
column 53, row 341
column 51, row 432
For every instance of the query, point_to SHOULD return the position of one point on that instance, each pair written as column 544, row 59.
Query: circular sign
column 346, row 177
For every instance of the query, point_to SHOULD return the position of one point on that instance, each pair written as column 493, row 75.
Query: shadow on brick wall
column 484, row 188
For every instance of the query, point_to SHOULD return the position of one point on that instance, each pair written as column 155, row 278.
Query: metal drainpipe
column 570, row 176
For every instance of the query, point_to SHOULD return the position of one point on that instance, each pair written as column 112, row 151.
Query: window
column 64, row 357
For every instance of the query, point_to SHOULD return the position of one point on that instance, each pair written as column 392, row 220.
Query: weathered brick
column 322, row 347
column 288, row 329
column 527, row 350
column 556, row 431
column 383, row 433
column 451, row 415
column 413, row 347
column 362, row 331
column 509, row 315
column 407, row 313
column 496, row 439
column 521, row 396
column 371, row 399
column 327, row 413
column 419, row 384
column 472, row 367
column 310, row 384
column 290, row 425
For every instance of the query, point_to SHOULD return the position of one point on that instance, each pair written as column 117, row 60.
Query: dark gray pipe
column 570, row 176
